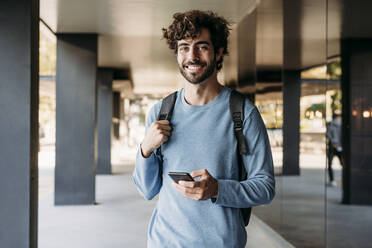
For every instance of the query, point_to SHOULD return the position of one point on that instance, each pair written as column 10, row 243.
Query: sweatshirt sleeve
column 147, row 173
column 259, row 188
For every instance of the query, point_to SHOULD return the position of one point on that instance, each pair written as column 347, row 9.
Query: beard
column 194, row 78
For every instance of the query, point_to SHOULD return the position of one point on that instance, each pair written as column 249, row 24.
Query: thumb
column 203, row 173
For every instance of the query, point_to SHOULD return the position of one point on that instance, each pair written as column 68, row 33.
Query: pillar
column 292, row 61
column 19, row 96
column 291, row 122
column 104, row 115
column 116, row 114
column 76, row 142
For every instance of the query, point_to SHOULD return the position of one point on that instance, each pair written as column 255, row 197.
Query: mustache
column 195, row 63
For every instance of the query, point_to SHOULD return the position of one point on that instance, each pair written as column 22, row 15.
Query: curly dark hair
column 189, row 24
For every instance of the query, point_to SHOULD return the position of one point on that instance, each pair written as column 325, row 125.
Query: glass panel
column 348, row 200
column 270, row 106
column 269, row 96
column 298, row 210
column 303, row 222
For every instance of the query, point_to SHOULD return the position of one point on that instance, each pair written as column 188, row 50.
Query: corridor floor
column 119, row 219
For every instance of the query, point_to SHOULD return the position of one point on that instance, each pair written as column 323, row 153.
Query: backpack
column 236, row 103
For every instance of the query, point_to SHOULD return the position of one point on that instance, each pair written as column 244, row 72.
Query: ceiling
column 130, row 33
column 130, row 17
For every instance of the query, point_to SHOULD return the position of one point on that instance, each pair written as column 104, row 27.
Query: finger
column 158, row 130
column 165, row 132
column 165, row 127
column 164, row 139
column 163, row 122
column 201, row 184
column 174, row 184
column 205, row 176
column 162, row 127
column 199, row 173
column 195, row 196
column 179, row 189
column 188, row 191
column 189, row 184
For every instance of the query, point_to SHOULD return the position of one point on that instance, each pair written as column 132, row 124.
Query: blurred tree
column 334, row 69
column 316, row 107
column 336, row 104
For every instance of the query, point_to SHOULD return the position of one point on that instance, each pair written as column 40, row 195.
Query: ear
column 219, row 54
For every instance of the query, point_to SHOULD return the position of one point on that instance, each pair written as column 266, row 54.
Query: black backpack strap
column 166, row 111
column 167, row 107
column 237, row 115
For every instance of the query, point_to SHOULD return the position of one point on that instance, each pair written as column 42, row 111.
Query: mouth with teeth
column 194, row 68
column 197, row 71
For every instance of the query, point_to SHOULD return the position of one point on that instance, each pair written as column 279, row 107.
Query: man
column 333, row 134
column 205, row 212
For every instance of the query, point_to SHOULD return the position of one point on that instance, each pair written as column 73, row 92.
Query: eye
column 183, row 48
column 203, row 48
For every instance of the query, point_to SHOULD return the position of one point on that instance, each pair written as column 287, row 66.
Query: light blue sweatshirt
column 203, row 138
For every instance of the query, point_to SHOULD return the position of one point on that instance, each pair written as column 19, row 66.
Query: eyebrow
column 197, row 43
column 183, row 44
column 202, row 43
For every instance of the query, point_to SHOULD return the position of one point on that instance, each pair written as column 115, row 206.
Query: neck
column 202, row 93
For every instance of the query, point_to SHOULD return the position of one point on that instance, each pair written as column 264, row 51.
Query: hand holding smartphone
column 180, row 176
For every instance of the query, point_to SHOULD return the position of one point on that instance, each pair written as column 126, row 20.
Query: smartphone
column 180, row 176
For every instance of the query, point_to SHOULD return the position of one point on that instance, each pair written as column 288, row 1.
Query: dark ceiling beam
column 269, row 75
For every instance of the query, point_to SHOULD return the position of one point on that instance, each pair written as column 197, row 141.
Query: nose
column 194, row 54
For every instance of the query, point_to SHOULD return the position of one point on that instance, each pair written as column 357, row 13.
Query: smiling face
column 196, row 57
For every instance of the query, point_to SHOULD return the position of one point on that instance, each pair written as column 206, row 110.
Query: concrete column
column 357, row 120
column 105, row 77
column 116, row 114
column 291, row 122
column 76, row 142
column 292, row 61
column 19, row 100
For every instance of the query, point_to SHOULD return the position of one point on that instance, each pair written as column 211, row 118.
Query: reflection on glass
column 297, row 212
column 348, row 202
column 270, row 106
column 366, row 114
